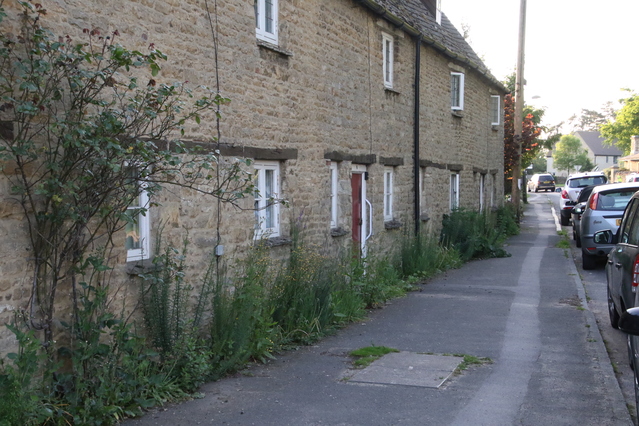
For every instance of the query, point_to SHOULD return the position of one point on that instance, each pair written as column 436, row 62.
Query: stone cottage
column 369, row 118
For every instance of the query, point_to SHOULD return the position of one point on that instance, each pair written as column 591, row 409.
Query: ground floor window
column 137, row 230
column 454, row 191
column 388, row 193
column 334, row 183
column 267, row 193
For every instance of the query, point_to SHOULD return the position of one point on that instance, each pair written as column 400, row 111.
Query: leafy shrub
column 476, row 235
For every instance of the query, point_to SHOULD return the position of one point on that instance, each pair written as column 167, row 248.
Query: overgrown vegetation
column 478, row 236
column 264, row 307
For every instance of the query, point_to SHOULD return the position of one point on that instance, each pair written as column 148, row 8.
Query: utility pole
column 519, row 107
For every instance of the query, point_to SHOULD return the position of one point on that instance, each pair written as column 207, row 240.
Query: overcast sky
column 579, row 53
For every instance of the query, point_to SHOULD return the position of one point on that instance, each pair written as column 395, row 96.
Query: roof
column 594, row 141
column 632, row 157
column 413, row 17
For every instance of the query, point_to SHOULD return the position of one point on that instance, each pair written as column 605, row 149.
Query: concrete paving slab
column 409, row 369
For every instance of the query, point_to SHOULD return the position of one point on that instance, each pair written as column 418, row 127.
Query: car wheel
column 630, row 353
column 564, row 220
column 578, row 240
column 588, row 261
column 536, row 189
column 636, row 369
column 613, row 314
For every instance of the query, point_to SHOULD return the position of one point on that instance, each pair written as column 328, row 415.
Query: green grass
column 471, row 360
column 365, row 356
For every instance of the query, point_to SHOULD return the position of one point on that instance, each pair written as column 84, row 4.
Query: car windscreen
column 586, row 181
column 615, row 200
column 546, row 178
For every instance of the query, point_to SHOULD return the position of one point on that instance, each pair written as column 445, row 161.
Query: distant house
column 631, row 161
column 602, row 156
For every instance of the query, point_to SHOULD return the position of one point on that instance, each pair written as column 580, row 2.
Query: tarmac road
column 527, row 313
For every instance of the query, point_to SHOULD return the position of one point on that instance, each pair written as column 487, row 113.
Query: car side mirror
column 629, row 321
column 605, row 237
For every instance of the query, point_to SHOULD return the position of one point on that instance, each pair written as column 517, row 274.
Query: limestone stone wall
column 319, row 94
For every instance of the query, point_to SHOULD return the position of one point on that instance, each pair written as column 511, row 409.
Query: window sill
column 276, row 241
column 139, row 267
column 424, row 218
column 338, row 232
column 273, row 47
column 495, row 127
column 392, row 224
column 391, row 90
column 457, row 113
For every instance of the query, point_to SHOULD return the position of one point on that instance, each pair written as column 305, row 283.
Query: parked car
column 629, row 323
column 574, row 184
column 632, row 177
column 577, row 211
column 604, row 210
column 622, row 276
column 544, row 181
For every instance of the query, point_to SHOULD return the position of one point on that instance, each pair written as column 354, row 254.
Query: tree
column 590, row 120
column 91, row 129
column 619, row 131
column 569, row 153
column 529, row 140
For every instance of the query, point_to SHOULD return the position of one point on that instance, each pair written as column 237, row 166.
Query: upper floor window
column 267, row 193
column 435, row 8
column 387, row 54
column 266, row 20
column 137, row 229
column 388, row 193
column 457, row 90
column 495, row 110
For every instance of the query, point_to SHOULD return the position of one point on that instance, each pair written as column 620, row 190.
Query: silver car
column 604, row 210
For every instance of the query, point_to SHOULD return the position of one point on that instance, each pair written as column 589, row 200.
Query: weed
column 365, row 356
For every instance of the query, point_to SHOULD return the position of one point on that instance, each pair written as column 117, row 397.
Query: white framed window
column 388, row 56
column 266, row 20
column 138, row 230
column 438, row 14
column 482, row 189
column 495, row 110
column 422, row 174
column 334, row 183
column 457, row 91
column 267, row 193
column 388, row 193
column 454, row 191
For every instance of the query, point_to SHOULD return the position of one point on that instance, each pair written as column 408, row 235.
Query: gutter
column 416, row 123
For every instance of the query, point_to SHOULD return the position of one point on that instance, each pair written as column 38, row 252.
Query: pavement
column 525, row 317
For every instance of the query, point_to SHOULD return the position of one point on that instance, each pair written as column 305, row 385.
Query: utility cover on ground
column 409, row 369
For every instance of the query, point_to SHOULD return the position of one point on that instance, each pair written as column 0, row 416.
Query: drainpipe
column 417, row 212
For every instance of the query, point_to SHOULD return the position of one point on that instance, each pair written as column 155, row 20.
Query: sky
column 579, row 54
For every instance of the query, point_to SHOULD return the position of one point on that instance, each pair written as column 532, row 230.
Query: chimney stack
column 634, row 145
